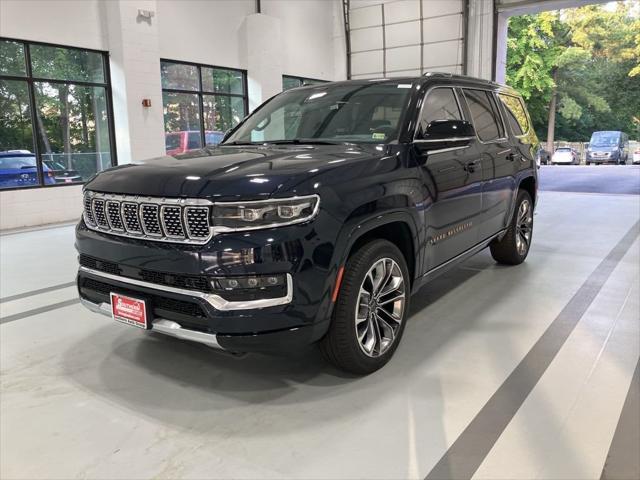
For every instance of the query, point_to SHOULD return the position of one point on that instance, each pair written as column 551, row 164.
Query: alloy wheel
column 524, row 227
column 380, row 307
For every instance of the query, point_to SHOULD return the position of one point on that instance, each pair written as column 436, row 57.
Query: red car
column 186, row 140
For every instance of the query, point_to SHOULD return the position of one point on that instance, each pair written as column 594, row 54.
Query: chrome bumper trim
column 215, row 301
column 162, row 325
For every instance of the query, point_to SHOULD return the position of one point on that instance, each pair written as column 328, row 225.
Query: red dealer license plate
column 131, row 311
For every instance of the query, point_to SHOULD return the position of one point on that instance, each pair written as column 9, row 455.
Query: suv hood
column 228, row 173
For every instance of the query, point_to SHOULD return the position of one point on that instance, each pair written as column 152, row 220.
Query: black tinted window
column 484, row 113
column 440, row 104
column 516, row 114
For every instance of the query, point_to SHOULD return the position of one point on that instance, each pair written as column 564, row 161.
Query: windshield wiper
column 240, row 143
column 303, row 141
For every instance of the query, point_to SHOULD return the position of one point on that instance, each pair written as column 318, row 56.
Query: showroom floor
column 503, row 372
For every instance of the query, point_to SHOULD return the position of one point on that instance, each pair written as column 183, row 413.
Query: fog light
column 252, row 282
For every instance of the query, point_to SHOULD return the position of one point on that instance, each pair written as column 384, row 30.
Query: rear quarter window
column 516, row 113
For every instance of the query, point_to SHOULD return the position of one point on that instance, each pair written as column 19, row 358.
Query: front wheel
column 513, row 248
column 370, row 311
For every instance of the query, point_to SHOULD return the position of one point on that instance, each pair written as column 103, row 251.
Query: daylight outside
column 579, row 73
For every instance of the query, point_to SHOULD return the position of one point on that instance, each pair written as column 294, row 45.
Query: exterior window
column 484, row 112
column 200, row 104
column 516, row 114
column 289, row 81
column 55, row 115
column 440, row 104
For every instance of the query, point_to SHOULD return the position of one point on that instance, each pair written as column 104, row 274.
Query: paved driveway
column 591, row 179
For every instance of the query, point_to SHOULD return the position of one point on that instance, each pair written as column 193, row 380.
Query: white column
column 501, row 48
column 133, row 45
column 262, row 50
column 480, row 41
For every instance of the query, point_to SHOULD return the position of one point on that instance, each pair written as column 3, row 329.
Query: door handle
column 471, row 166
column 514, row 156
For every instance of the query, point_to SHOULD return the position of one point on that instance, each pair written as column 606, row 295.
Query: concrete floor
column 503, row 372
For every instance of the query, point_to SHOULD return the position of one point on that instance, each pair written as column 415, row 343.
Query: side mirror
column 449, row 130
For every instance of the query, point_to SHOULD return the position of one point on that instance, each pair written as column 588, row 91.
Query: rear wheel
column 370, row 312
column 513, row 248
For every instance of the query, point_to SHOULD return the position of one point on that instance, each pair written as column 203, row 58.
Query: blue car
column 18, row 169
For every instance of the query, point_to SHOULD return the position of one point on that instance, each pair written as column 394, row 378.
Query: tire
column 514, row 247
column 357, row 340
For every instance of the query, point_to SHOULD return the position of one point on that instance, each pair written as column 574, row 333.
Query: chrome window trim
column 214, row 300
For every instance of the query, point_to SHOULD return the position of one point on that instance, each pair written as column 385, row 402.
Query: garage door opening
column 579, row 72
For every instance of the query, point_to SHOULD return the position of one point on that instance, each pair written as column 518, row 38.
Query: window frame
column 418, row 121
column 200, row 92
column 524, row 108
column 302, row 80
column 496, row 102
column 29, row 79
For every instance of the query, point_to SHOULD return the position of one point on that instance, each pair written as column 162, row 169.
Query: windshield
column 605, row 139
column 368, row 113
column 17, row 162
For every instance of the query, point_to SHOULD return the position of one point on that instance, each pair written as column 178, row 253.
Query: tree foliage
column 587, row 59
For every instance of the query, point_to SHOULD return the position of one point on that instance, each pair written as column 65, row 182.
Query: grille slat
column 172, row 221
column 151, row 220
column 88, row 211
column 197, row 222
column 99, row 213
column 130, row 217
column 165, row 220
column 113, row 215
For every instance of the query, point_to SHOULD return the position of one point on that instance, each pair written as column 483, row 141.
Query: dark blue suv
column 316, row 219
column 18, row 169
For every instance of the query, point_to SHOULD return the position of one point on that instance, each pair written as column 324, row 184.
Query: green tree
column 577, row 67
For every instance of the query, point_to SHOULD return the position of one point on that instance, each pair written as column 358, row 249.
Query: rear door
column 453, row 178
column 499, row 161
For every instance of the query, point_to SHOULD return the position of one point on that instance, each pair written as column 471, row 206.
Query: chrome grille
column 151, row 220
column 88, row 212
column 160, row 219
column 113, row 216
column 131, row 219
column 172, row 221
column 98, row 213
column 197, row 221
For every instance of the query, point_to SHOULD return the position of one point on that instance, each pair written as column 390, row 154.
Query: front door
column 453, row 178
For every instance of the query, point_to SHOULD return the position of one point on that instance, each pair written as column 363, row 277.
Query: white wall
column 295, row 37
column 67, row 22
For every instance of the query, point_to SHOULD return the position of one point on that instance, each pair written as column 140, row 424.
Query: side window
column 484, row 112
column 194, row 141
column 516, row 114
column 441, row 104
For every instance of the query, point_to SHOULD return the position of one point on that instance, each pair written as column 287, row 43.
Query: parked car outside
column 62, row 174
column 316, row 219
column 565, row 156
column 608, row 147
column 636, row 156
column 542, row 156
column 18, row 168
column 185, row 141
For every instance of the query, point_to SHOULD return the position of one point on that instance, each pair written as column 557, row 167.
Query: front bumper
column 293, row 320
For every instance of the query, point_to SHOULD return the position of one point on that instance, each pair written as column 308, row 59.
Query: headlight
column 234, row 216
